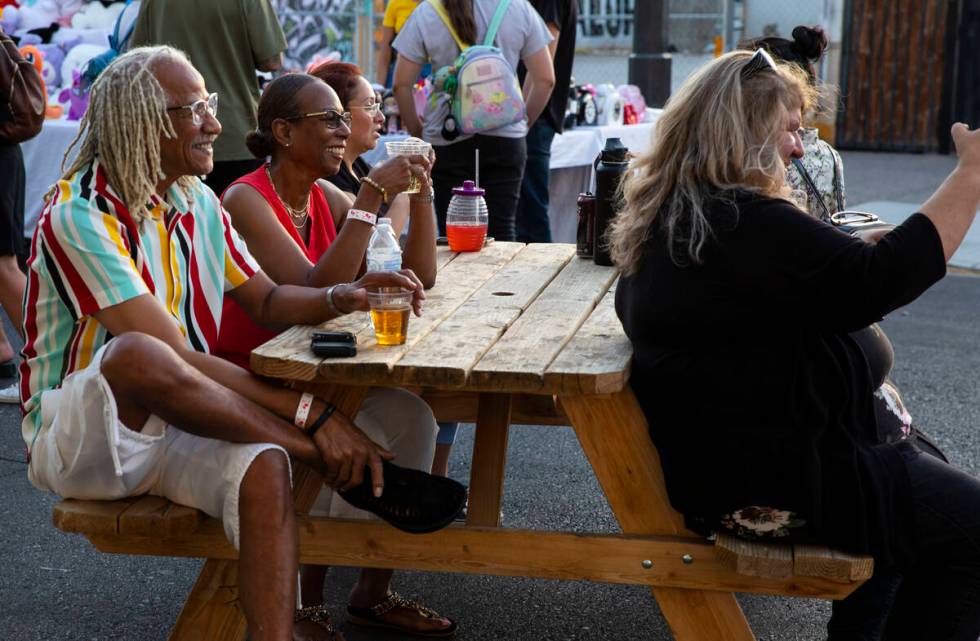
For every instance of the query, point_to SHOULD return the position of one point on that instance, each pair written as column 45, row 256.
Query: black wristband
column 321, row 419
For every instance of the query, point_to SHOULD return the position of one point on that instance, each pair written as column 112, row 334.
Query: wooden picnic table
column 514, row 333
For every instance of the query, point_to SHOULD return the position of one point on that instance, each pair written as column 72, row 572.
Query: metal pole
column 649, row 67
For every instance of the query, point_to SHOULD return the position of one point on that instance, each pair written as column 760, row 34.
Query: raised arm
column 954, row 205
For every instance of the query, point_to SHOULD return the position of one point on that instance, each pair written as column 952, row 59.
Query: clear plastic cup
column 391, row 308
column 409, row 147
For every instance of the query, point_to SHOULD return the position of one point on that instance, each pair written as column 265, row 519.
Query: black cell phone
column 334, row 337
column 442, row 240
column 327, row 349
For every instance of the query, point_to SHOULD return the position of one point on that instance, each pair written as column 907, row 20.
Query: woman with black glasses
column 304, row 230
column 730, row 291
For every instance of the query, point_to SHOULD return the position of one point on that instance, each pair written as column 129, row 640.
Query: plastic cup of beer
column 409, row 147
column 390, row 309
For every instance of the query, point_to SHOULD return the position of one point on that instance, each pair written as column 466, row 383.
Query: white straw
column 478, row 168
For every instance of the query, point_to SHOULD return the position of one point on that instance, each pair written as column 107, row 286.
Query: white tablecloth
column 42, row 159
column 572, row 155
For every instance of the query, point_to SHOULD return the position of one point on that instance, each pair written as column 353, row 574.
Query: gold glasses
column 330, row 117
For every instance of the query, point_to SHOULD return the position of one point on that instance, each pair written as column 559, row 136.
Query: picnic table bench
column 512, row 334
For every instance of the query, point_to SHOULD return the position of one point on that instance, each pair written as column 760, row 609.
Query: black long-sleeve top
column 754, row 391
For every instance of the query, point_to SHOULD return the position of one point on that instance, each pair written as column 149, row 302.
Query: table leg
column 613, row 433
column 212, row 611
column 489, row 460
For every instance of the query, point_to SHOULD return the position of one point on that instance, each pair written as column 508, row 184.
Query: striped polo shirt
column 90, row 253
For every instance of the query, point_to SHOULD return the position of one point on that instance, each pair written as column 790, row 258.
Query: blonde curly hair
column 717, row 134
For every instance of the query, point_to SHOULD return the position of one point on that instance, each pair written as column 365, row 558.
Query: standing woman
column 426, row 39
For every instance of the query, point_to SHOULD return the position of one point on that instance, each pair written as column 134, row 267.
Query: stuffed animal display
column 64, row 35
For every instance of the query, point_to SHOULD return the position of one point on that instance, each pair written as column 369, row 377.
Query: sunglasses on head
column 330, row 117
column 761, row 60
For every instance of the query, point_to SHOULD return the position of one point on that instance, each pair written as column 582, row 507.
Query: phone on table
column 334, row 337
column 333, row 349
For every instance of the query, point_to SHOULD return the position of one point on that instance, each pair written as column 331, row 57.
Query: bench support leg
column 613, row 433
column 212, row 611
column 489, row 459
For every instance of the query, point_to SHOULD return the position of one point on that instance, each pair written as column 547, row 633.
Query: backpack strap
column 498, row 17
column 441, row 11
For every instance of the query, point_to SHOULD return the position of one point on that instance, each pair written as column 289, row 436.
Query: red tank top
column 238, row 334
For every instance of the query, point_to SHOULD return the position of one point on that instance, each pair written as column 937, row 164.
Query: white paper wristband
column 363, row 216
column 303, row 410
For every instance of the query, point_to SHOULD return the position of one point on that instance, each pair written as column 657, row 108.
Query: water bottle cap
column 469, row 188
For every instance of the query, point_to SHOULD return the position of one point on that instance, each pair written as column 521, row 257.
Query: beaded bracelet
column 321, row 420
column 363, row 216
column 303, row 410
column 367, row 180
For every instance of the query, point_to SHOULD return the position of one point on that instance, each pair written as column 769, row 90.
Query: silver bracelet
column 330, row 302
column 425, row 199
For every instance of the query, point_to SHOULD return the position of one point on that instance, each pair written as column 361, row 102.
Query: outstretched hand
column 967, row 146
column 352, row 297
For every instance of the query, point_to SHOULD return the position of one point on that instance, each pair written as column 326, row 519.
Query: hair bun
column 809, row 42
column 259, row 143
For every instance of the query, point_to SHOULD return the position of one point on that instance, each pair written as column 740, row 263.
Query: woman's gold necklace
column 300, row 215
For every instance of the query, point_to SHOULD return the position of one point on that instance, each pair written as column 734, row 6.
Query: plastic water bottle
column 384, row 254
column 466, row 218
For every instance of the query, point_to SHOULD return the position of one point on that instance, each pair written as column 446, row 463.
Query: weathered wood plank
column 755, row 559
column 156, row 516
column 457, row 282
column 703, row 615
column 597, row 360
column 519, row 359
column 526, row 409
column 607, row 558
column 817, row 560
column 445, row 358
column 90, row 517
column 288, row 355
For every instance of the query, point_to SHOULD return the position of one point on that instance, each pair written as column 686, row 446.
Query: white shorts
column 83, row 451
column 398, row 421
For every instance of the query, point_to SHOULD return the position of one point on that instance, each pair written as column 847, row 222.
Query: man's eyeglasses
column 199, row 108
column 330, row 118
column 372, row 110
column 760, row 61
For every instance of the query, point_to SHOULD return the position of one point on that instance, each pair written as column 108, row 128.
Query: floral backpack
column 482, row 86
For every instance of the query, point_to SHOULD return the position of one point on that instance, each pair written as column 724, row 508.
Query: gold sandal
column 374, row 616
column 319, row 615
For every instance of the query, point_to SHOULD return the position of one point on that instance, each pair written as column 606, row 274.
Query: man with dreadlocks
column 128, row 268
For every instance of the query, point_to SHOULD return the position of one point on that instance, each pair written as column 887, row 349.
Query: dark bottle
column 610, row 168
column 586, row 225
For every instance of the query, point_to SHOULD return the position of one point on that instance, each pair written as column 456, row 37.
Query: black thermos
column 610, row 168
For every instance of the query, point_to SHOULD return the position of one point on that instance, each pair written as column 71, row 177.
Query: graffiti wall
column 318, row 28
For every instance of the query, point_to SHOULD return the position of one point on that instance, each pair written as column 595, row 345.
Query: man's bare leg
column 268, row 558
column 147, row 377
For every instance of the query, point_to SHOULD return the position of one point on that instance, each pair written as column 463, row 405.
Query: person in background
column 820, row 161
column 227, row 40
column 425, row 39
column 533, row 226
column 730, row 292
column 288, row 216
column 12, row 248
column 396, row 14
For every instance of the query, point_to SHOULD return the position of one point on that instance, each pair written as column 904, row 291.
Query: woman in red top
column 290, row 216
